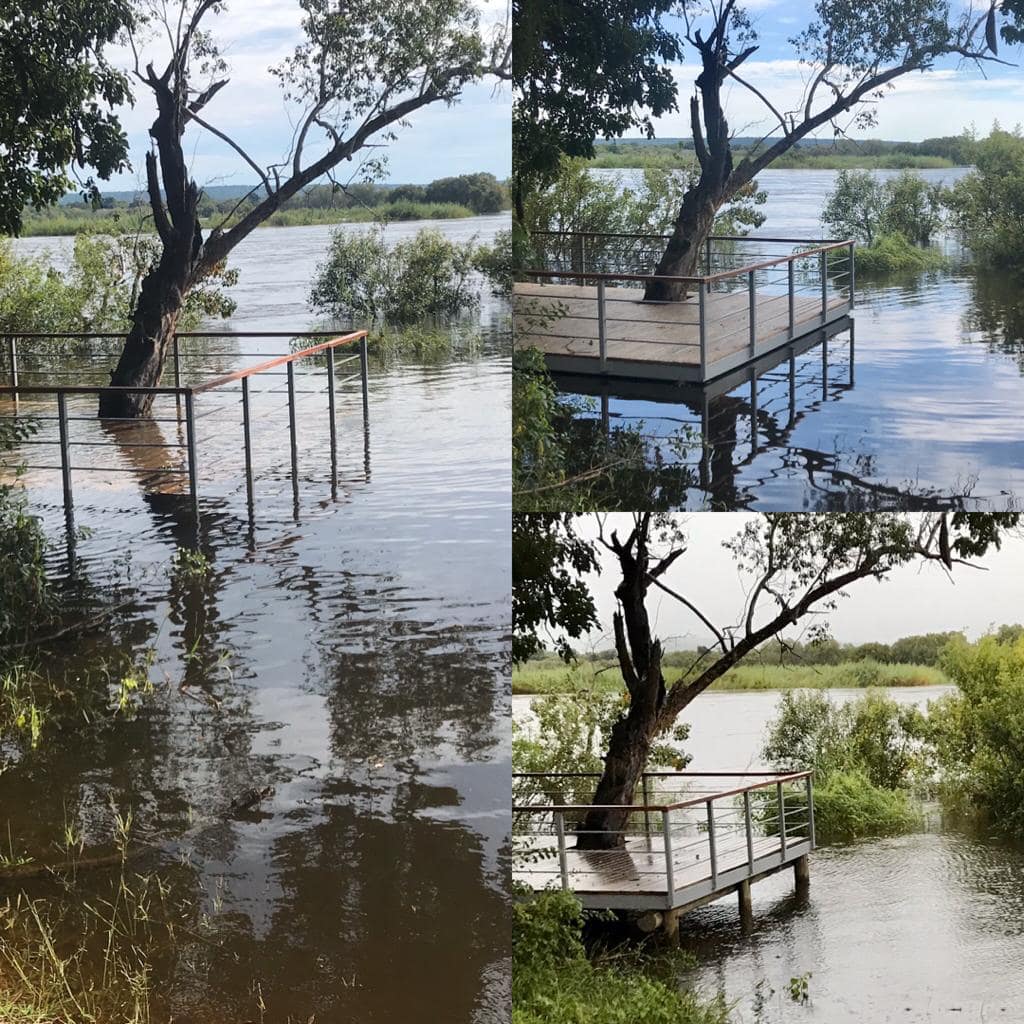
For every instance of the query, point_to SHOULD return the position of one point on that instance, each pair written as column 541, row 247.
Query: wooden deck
column 633, row 877
column 660, row 341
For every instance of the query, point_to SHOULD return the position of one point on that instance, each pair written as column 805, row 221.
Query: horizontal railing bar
column 97, row 389
column 665, row 238
column 280, row 361
column 85, row 336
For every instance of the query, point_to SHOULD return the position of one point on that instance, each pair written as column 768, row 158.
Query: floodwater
column 925, row 417
column 922, row 929
column 349, row 650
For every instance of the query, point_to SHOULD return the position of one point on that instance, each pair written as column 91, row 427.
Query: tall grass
column 554, row 677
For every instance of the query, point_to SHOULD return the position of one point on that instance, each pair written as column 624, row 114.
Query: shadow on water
column 351, row 656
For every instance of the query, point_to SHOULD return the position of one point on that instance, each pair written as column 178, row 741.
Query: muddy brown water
column 352, row 653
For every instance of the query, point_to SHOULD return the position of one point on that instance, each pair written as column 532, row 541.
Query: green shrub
column 893, row 252
column 555, row 982
column 369, row 281
column 977, row 734
column 849, row 806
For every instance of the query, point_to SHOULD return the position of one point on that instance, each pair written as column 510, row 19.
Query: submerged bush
column 893, row 252
column 555, row 982
column 866, row 755
column 977, row 734
column 368, row 281
column 849, row 806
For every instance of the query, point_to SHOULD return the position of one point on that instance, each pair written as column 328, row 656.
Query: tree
column 548, row 563
column 357, row 75
column 584, row 69
column 795, row 565
column 854, row 208
column 57, row 92
column 852, row 53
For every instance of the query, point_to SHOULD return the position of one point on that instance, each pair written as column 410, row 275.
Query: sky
column 473, row 135
column 943, row 101
column 913, row 600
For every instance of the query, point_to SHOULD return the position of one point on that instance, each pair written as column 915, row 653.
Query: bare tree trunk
column 154, row 323
column 682, row 255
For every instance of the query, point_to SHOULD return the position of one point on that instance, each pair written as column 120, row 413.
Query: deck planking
column 562, row 322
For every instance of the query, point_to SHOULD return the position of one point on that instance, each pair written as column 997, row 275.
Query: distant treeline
column 909, row 650
column 465, row 195
column 947, row 151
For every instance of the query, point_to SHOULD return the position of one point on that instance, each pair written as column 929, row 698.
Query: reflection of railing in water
column 186, row 397
column 694, row 837
column 582, row 303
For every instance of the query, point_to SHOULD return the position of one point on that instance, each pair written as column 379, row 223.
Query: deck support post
column 711, row 844
column 792, row 387
column 563, row 864
column 824, row 288
column 782, row 817
column 750, row 831
column 824, row 368
column 746, row 906
column 670, row 924
column 753, row 410
column 670, row 880
column 852, row 325
column 602, row 336
column 853, row 275
column 802, row 874
column 702, row 331
column 752, row 297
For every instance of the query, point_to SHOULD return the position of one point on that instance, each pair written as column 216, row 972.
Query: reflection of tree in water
column 996, row 312
column 368, row 867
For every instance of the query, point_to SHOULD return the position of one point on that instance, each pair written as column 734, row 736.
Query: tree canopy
column 57, row 98
column 584, row 69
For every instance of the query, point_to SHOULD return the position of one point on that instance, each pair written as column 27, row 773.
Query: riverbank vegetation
column 556, row 978
column 465, row 195
column 676, row 154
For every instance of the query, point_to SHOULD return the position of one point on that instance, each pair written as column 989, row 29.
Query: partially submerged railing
column 793, row 285
column 186, row 396
column 697, row 830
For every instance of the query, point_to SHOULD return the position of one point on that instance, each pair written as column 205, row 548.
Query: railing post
column 792, row 298
column 190, row 443
column 65, row 453
column 647, row 801
column 334, row 425
column 707, row 258
column 602, row 335
column 293, row 430
column 711, row 844
column 853, row 274
column 364, row 359
column 824, row 287
column 247, row 434
column 702, row 328
column 12, row 355
column 670, row 878
column 177, row 371
column 810, row 809
column 782, row 817
column 563, row 863
column 750, row 831
column 752, row 297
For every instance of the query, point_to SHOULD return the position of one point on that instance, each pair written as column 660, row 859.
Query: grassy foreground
column 553, row 677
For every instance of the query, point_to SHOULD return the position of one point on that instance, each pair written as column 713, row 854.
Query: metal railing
column 792, row 286
column 41, row 403
column 701, row 831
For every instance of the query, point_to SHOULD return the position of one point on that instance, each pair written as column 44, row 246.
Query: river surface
column 924, row 929
column 349, row 650
column 926, row 417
